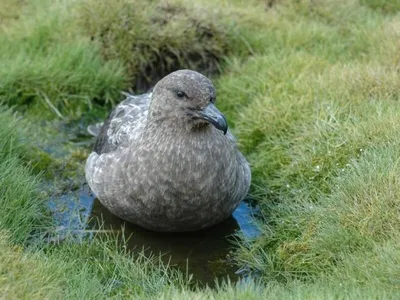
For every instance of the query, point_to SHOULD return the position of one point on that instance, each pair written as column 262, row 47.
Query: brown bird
column 166, row 160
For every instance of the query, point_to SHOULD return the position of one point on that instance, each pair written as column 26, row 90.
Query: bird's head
column 186, row 96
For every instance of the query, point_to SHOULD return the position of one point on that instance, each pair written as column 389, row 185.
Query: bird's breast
column 185, row 166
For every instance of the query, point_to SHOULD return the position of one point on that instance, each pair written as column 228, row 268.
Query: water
column 205, row 254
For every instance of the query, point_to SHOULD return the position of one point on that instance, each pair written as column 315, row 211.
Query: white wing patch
column 125, row 124
column 128, row 123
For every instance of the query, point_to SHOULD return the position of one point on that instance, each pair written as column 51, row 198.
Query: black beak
column 212, row 115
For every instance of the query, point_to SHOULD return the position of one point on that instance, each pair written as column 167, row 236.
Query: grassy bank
column 311, row 89
column 320, row 126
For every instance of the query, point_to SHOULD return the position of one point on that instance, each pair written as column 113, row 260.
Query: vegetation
column 311, row 89
column 21, row 214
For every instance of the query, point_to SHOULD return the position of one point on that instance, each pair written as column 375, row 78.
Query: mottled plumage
column 163, row 161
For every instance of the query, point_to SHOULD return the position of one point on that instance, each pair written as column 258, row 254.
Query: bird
column 166, row 161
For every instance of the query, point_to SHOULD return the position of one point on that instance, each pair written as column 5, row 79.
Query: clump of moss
column 153, row 39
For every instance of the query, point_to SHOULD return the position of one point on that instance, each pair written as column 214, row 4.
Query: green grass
column 90, row 270
column 57, row 79
column 251, row 290
column 388, row 6
column 310, row 89
column 321, row 129
column 22, row 212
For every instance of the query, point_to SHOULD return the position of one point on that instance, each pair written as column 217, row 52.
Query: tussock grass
column 156, row 38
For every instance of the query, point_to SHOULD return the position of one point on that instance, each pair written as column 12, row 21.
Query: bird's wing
column 125, row 122
column 242, row 161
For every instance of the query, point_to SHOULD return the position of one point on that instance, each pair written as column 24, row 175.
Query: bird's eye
column 212, row 99
column 180, row 94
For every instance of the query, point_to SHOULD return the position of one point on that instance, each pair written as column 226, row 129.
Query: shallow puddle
column 205, row 254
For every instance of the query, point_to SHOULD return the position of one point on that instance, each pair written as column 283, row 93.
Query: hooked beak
column 212, row 115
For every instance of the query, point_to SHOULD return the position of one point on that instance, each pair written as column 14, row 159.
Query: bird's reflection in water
column 205, row 253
